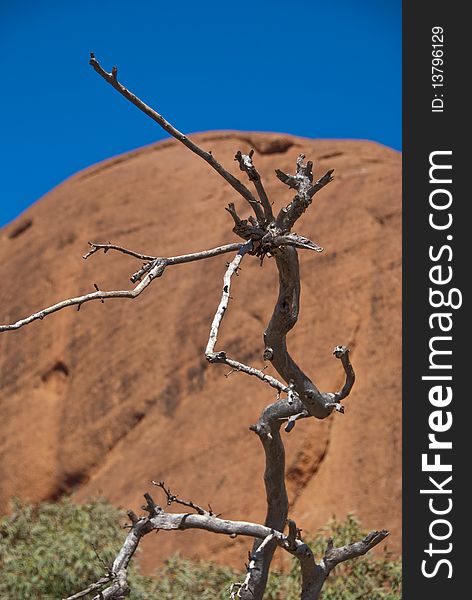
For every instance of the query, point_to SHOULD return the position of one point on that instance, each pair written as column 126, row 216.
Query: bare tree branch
column 248, row 231
column 334, row 556
column 169, row 522
column 105, row 247
column 155, row 268
column 293, row 533
column 233, row 267
column 342, row 352
column 246, row 164
column 112, row 79
column 302, row 181
column 156, row 271
column 220, row 357
column 318, row 404
column 298, row 241
column 264, row 235
column 174, row 498
column 268, row 430
column 313, row 574
column 186, row 258
column 250, row 568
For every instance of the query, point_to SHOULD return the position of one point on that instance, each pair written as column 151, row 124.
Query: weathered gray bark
column 313, row 574
column 305, row 400
column 268, row 430
column 263, row 234
column 152, row 269
column 318, row 404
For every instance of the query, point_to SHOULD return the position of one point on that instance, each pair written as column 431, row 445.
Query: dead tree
column 263, row 234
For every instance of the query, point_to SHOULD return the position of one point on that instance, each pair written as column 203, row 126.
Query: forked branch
column 150, row 271
column 263, row 235
column 302, row 181
column 114, row 584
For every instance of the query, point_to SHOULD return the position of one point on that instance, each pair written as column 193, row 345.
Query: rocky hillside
column 101, row 401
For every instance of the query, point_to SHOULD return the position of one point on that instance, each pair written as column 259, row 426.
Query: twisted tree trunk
column 263, row 234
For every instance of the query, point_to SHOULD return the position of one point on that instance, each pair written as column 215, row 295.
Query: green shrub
column 52, row 551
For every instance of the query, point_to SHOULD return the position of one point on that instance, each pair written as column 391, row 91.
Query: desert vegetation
column 51, row 549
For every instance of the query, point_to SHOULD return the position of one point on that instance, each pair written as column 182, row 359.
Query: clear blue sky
column 329, row 69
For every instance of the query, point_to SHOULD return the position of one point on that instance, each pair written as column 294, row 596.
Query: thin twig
column 156, row 269
column 79, row 300
column 105, row 247
column 185, row 258
column 342, row 352
column 111, row 78
column 174, row 498
column 220, row 357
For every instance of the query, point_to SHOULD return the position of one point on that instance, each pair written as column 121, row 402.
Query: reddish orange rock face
column 102, row 401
